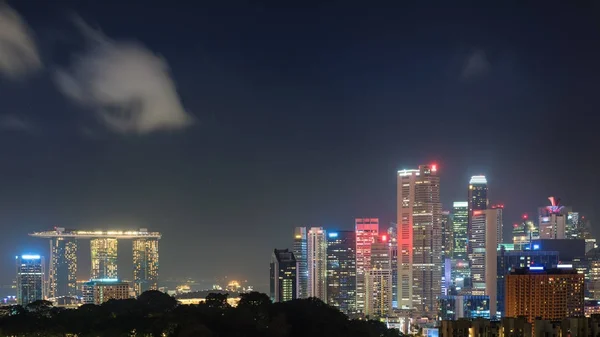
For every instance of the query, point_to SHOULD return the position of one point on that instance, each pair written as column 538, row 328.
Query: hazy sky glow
column 225, row 127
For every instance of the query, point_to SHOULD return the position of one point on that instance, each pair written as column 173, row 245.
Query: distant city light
column 333, row 235
column 536, row 268
column 536, row 247
column 433, row 168
column 30, row 257
column 564, row 266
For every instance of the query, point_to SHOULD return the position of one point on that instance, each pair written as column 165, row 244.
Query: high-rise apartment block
column 30, row 278
column 419, row 239
column 317, row 263
column 283, row 276
column 301, row 253
column 366, row 230
column 341, row 270
column 550, row 294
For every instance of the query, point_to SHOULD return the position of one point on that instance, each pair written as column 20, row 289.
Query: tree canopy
column 157, row 314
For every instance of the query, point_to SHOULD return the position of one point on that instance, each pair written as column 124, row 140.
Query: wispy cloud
column 128, row 86
column 18, row 52
column 475, row 65
column 15, row 123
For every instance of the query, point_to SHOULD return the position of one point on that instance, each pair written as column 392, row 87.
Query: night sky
column 226, row 127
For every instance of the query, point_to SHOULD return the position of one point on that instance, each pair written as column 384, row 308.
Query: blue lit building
column 453, row 307
column 300, row 251
column 341, row 270
column 30, row 278
column 508, row 260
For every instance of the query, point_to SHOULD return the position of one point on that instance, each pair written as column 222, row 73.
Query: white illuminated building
column 317, row 263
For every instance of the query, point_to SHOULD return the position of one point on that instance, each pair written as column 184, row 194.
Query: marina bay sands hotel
column 62, row 280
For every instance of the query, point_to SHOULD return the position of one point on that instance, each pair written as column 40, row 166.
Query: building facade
column 301, row 252
column 366, row 230
column 62, row 274
column 378, row 282
column 341, row 271
column 317, row 263
column 460, row 220
column 30, row 278
column 419, row 239
column 509, row 260
column 100, row 291
column 283, row 276
column 145, row 265
column 528, row 293
column 104, row 258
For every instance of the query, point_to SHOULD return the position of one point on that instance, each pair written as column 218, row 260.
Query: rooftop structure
column 79, row 234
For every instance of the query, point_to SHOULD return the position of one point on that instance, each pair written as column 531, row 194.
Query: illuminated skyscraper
column 145, row 265
column 419, row 239
column 366, row 233
column 447, row 234
column 283, row 276
column 500, row 222
column 484, row 254
column 378, row 280
column 460, row 220
column 30, row 278
column 341, row 271
column 301, row 254
column 63, row 267
column 317, row 263
column 553, row 220
column 104, row 258
column 478, row 201
column 394, row 255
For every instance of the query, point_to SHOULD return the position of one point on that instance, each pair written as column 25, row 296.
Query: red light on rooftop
column 516, row 225
column 384, row 238
column 525, row 216
column 433, row 168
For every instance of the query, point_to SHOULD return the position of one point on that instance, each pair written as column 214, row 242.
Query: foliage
column 157, row 314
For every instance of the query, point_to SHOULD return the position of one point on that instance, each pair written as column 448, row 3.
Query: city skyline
column 252, row 119
column 132, row 234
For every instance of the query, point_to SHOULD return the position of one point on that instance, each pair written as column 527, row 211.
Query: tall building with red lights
column 553, row 220
column 419, row 239
column 378, row 280
column 367, row 230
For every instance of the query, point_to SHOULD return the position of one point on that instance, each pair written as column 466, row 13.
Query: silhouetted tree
column 156, row 314
column 156, row 302
column 217, row 301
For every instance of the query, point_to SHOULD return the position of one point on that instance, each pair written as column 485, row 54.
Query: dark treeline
column 157, row 314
